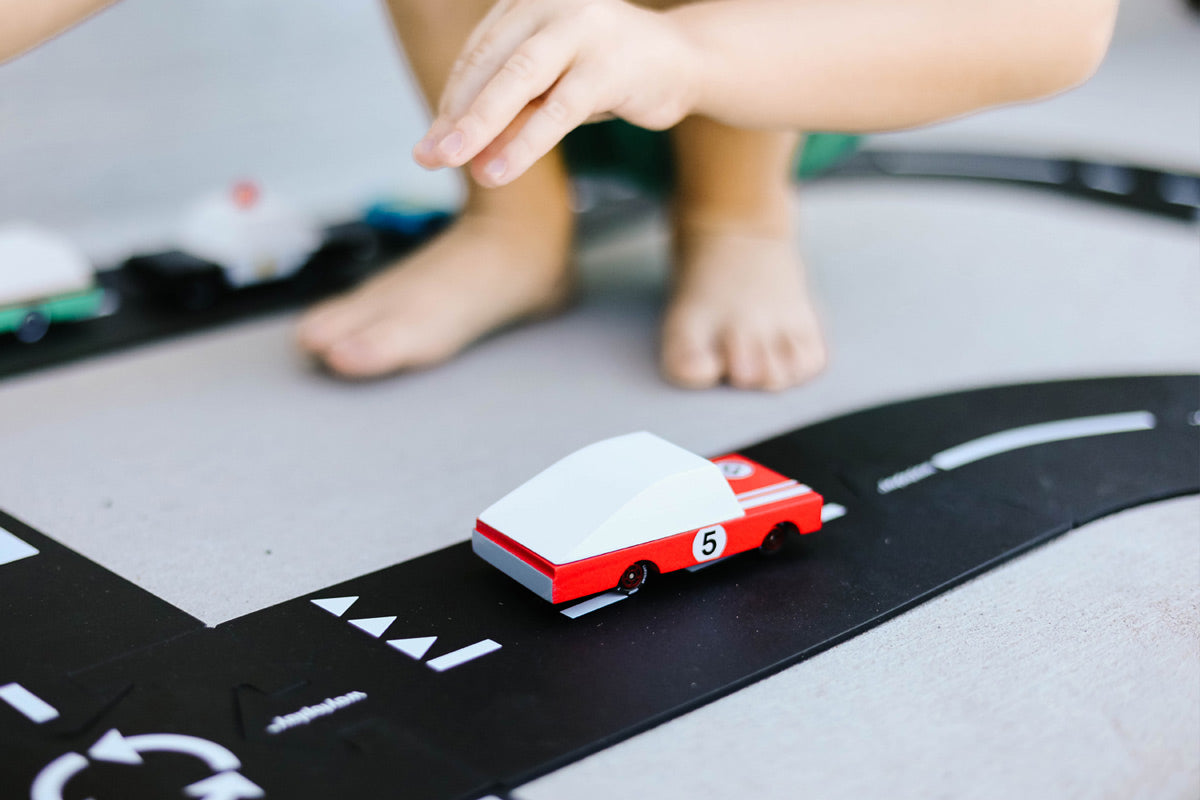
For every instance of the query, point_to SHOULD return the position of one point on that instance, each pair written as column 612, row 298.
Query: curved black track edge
column 1163, row 193
column 558, row 689
column 763, row 453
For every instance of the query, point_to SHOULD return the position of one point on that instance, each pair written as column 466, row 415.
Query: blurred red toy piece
column 245, row 194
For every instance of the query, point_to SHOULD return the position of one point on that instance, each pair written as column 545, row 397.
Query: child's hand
column 533, row 70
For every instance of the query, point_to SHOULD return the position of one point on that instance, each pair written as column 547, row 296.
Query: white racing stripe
column 593, row 604
column 775, row 497
column 1043, row 433
column 766, row 489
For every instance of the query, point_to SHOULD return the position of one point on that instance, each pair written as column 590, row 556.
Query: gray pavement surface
column 224, row 473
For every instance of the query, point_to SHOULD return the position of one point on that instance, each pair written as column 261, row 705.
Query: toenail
column 452, row 145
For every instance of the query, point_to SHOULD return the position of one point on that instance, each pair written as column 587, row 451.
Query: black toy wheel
column 772, row 543
column 633, row 578
column 199, row 292
column 32, row 327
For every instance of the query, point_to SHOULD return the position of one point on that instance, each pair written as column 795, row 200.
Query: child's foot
column 739, row 312
column 482, row 273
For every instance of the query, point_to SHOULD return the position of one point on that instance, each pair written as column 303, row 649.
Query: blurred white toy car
column 230, row 240
column 44, row 278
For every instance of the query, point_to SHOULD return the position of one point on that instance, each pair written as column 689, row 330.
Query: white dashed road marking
column 28, row 703
column 1016, row 439
column 832, row 511
column 593, row 604
column 1046, row 432
column 463, row 655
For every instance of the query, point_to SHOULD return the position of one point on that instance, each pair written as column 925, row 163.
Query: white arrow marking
column 112, row 746
column 335, row 605
column 374, row 625
column 53, row 778
column 226, row 786
column 14, row 549
column 462, row 656
column 832, row 511
column 28, row 703
column 593, row 604
column 417, row 648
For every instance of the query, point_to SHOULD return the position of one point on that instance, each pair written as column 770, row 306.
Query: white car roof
column 613, row 494
column 36, row 264
column 265, row 240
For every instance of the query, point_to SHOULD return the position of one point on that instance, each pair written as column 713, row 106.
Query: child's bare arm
column 27, row 23
column 868, row 65
column 535, row 69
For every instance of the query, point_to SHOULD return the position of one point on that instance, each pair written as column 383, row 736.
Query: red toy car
column 609, row 515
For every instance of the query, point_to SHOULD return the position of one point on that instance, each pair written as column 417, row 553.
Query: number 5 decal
column 709, row 543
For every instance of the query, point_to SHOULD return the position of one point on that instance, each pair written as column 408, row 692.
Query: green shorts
column 644, row 157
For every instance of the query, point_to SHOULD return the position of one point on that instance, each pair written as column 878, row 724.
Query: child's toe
column 327, row 324
column 389, row 344
column 778, row 371
column 689, row 356
column 745, row 359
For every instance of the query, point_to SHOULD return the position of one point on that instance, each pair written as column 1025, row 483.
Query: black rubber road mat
column 442, row 678
column 1174, row 195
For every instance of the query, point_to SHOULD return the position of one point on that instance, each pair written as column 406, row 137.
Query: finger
column 497, row 145
column 491, row 41
column 490, row 44
column 565, row 107
column 530, row 72
column 425, row 152
column 481, row 29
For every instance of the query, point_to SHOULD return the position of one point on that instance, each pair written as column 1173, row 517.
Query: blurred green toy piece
column 44, row 278
column 617, row 149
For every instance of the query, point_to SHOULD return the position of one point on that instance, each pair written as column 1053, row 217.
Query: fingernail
column 495, row 168
column 424, row 147
column 452, row 145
